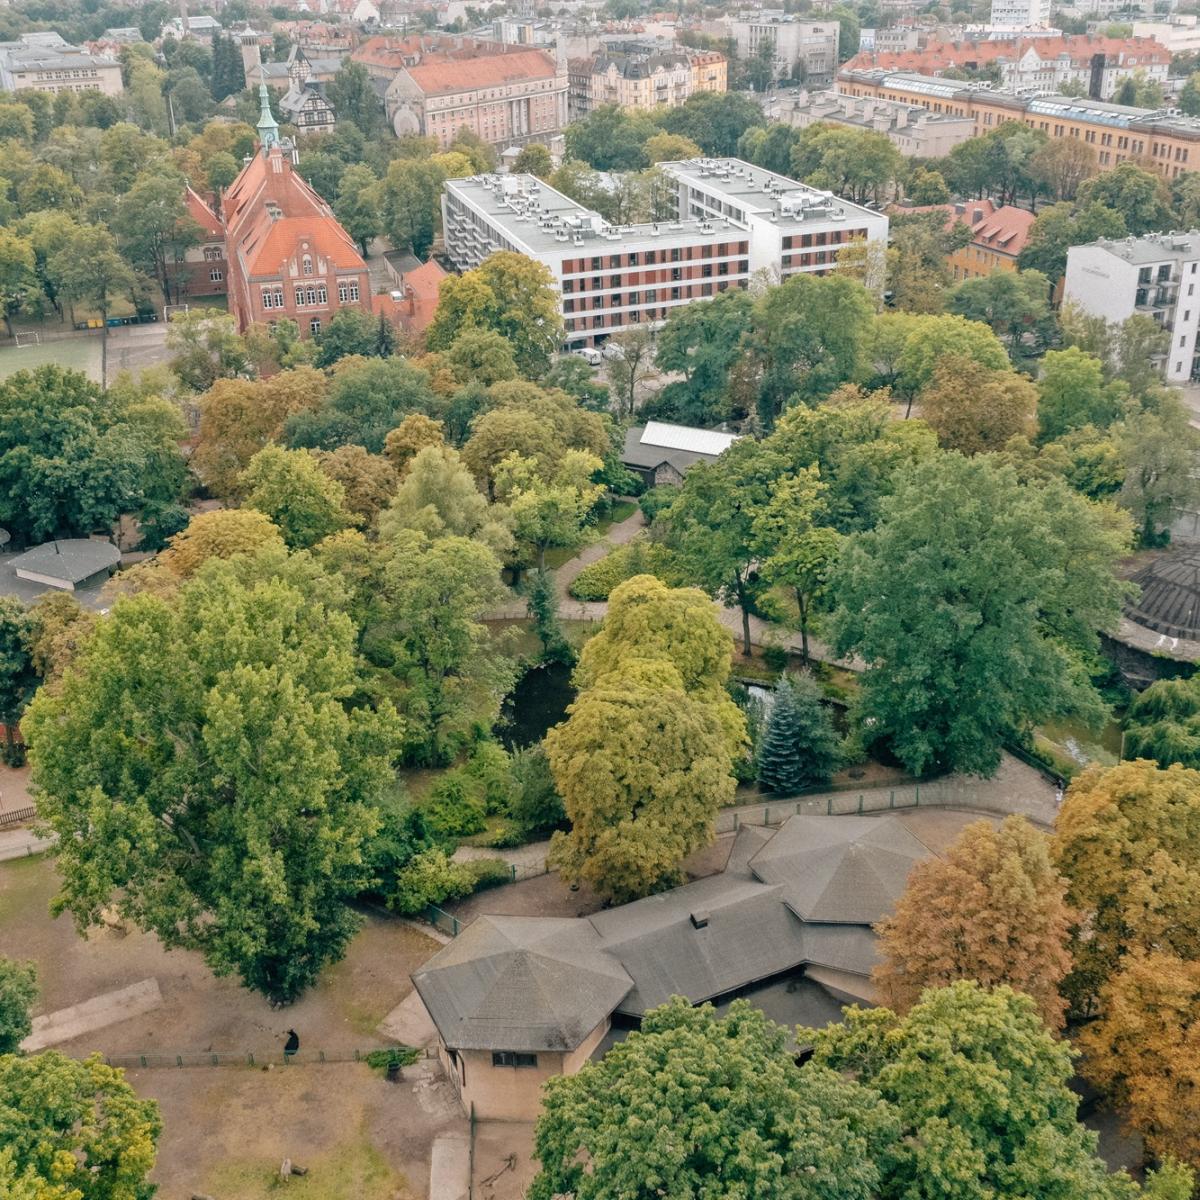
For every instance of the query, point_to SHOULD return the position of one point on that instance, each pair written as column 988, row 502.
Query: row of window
column 674, row 275
column 272, row 297
column 635, row 258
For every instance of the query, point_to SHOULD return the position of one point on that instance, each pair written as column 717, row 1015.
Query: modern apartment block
column 1157, row 275
column 731, row 220
column 801, row 47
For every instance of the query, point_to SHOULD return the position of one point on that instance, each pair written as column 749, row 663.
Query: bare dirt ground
column 504, row 1165
column 227, row 1128
column 14, row 788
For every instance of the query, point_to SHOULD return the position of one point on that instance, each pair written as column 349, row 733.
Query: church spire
column 268, row 128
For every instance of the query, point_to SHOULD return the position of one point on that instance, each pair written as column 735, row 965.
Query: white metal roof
column 684, row 437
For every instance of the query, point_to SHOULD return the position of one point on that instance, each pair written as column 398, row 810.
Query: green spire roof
column 268, row 127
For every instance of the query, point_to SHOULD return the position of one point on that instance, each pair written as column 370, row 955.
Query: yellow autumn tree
column 992, row 909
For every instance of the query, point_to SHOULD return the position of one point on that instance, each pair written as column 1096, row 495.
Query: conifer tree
column 799, row 746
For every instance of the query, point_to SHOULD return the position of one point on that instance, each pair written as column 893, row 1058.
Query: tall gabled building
column 287, row 254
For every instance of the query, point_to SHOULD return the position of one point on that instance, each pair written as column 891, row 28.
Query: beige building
column 517, row 1000
column 913, row 130
column 46, row 63
column 800, row 47
column 644, row 77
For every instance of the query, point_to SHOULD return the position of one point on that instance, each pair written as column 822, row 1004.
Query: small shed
column 660, row 452
column 67, row 564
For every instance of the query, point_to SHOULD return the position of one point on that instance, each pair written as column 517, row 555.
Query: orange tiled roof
column 493, row 70
column 204, row 216
column 937, row 56
column 422, row 288
column 1005, row 229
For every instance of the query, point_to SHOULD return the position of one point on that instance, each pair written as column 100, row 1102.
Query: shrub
column 488, row 770
column 430, row 878
column 535, row 805
column 452, row 811
column 402, row 1056
column 639, row 557
column 487, row 873
column 775, row 657
column 655, row 500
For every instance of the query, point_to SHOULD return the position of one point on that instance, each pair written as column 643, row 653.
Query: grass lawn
column 356, row 1169
column 82, row 353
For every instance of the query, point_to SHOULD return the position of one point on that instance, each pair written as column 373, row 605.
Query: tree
column 1159, row 449
column 703, row 342
column 1072, row 393
column 1127, row 839
column 435, row 590
column 19, row 288
column 357, row 204
column 238, row 418
column 926, row 186
column 238, row 781
column 18, row 994
column 610, row 138
column 89, row 267
column 351, row 332
column 205, row 347
column 973, row 603
column 533, row 159
column 289, row 487
column 368, row 480
column 1163, row 723
column 671, row 147
column 809, row 334
column 1141, row 198
column 1142, row 1050
column 18, row 679
column 645, row 758
column 932, row 338
column 438, row 497
column 1013, row 304
column 1189, row 95
column 410, row 437
column 509, row 294
column 991, row 909
column 1059, row 227
column 1063, row 164
column 975, row 409
column 409, row 196
column 632, row 368
column 693, row 1104
column 713, row 120
column 73, row 460
column 75, row 1130
column 859, row 164
column 980, row 1090
column 799, row 747
column 354, row 98
column 222, row 534
column 154, row 227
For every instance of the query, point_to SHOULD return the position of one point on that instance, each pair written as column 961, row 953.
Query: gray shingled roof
column 521, row 983
column 848, row 870
column 637, row 454
column 1169, row 596
column 72, row 559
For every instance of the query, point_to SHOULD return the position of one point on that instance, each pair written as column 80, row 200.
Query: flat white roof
column 684, row 437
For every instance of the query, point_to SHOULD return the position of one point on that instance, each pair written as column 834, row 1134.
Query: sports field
column 82, row 353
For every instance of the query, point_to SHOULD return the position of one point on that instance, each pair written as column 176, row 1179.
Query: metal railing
column 248, row 1058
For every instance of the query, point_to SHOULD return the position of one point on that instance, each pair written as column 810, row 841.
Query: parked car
column 612, row 350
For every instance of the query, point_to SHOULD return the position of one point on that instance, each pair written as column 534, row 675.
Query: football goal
column 32, row 338
column 169, row 310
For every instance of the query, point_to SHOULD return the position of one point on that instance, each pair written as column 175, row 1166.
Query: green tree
column 18, row 994
column 19, row 289
column 1189, row 95
column 18, row 679
column 1072, row 393
column 693, row 1104
column 703, row 342
column 73, row 460
column 809, row 336
column 974, row 408
column 534, row 159
column 799, row 747
column 508, row 294
column 1013, row 304
column 933, row 338
column 352, row 331
column 859, row 164
column 205, row 347
column 289, row 487
column 409, row 199
column 1059, row 227
column 633, row 367
column 713, row 120
column 980, row 1089
column 549, row 513
column 926, row 186
column 646, row 757
column 90, row 268
column 610, row 138
column 357, row 204
column 74, row 1129
column 154, row 228
column 354, row 99
column 1159, row 450
column 237, row 780
column 974, row 603
column 1141, row 198
column 1163, row 723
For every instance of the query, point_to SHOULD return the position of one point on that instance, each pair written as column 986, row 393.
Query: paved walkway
column 20, row 843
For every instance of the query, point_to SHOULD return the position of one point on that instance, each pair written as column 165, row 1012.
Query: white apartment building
column 811, row 46
column 1020, row 13
column 1157, row 275
column 731, row 220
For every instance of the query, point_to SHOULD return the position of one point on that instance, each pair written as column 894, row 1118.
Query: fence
column 251, row 1058
column 17, row 816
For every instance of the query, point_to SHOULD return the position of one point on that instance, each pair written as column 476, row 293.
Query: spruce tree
column 799, row 746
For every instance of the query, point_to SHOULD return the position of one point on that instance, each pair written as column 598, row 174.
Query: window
column 513, row 1058
column 306, row 264
column 314, row 326
column 212, row 253
column 215, row 275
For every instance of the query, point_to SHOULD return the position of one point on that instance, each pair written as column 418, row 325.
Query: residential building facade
column 912, row 129
column 1021, row 13
column 802, row 49
column 1157, row 140
column 287, row 254
column 731, row 221
column 204, row 271
column 643, row 78
column 307, row 107
column 998, row 235
column 1157, row 276
column 1027, row 64
column 47, row 63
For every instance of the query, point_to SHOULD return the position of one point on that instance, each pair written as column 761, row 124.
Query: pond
column 1080, row 745
column 535, row 705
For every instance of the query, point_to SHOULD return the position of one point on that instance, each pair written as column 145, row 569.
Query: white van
column 590, row 356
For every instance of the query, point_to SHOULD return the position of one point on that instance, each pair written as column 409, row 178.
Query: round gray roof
column 1170, row 595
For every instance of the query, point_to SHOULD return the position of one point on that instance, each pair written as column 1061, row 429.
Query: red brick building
column 203, row 271
column 287, row 254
